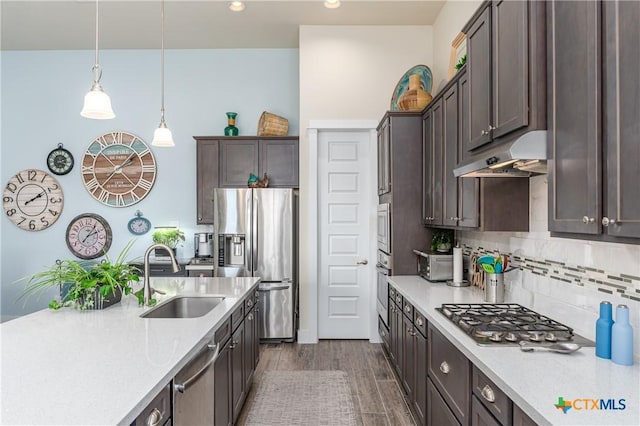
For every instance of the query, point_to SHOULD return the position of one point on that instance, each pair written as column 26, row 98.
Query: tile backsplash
column 565, row 279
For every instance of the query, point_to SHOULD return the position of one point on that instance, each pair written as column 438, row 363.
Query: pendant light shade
column 162, row 136
column 97, row 104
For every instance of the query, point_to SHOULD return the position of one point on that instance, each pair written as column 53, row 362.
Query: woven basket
column 272, row 125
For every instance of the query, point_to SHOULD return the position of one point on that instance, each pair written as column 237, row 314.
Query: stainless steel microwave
column 435, row 266
column 384, row 227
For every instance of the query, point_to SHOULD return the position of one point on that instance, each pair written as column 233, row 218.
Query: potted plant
column 85, row 285
column 441, row 241
column 169, row 236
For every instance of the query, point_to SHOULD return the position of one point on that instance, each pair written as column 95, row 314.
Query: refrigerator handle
column 248, row 261
column 254, row 235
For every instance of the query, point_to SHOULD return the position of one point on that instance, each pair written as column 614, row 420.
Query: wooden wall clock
column 89, row 236
column 32, row 199
column 118, row 169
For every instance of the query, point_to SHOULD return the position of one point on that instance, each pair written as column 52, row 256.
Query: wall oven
column 383, row 267
column 384, row 227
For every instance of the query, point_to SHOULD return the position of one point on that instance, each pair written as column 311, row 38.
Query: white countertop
column 103, row 367
column 533, row 381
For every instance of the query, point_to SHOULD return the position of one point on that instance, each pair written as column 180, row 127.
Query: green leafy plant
column 169, row 236
column 82, row 282
column 461, row 62
column 442, row 240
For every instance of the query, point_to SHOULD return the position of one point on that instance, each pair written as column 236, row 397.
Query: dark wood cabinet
column 506, row 51
column 433, row 152
column 162, row 269
column 438, row 413
column 237, row 371
column 450, row 372
column 420, row 374
column 408, row 361
column 468, row 197
column 450, row 129
column 249, row 349
column 621, row 216
column 575, row 125
column 222, row 386
column 480, row 416
column 206, row 178
column 399, row 172
column 593, row 167
column 520, row 418
column 227, row 162
column 494, row 400
column 384, row 158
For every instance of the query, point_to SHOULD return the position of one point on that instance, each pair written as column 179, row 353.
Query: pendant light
column 162, row 136
column 97, row 104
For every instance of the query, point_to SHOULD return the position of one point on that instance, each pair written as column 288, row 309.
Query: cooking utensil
column 487, row 259
column 505, row 262
column 562, row 347
column 489, row 269
column 498, row 266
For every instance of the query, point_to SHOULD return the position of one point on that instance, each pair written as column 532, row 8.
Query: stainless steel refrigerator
column 256, row 236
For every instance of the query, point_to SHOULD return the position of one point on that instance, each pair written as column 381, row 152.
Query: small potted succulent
column 168, row 236
column 85, row 285
column 441, row 241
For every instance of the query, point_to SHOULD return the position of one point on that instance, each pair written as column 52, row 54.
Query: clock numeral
column 120, row 200
column 53, row 188
column 44, row 177
column 7, row 199
column 55, row 200
column 44, row 221
column 31, row 174
column 11, row 212
column 11, row 187
column 134, row 197
column 53, row 212
column 87, row 170
column 144, row 152
column 103, row 142
column 23, row 219
column 104, row 196
column 145, row 184
column 92, row 185
column 32, row 224
column 19, row 178
column 117, row 138
column 148, row 168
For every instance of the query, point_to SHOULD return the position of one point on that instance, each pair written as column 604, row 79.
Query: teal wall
column 41, row 98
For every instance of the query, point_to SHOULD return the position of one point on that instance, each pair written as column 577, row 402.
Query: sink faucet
column 148, row 291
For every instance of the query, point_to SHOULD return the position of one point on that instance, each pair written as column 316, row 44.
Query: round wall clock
column 118, row 169
column 88, row 236
column 60, row 161
column 32, row 200
column 139, row 225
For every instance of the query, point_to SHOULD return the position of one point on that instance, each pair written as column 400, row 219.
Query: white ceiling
column 132, row 24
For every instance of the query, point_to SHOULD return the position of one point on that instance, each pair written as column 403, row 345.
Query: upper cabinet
column 384, row 157
column 594, row 118
column 227, row 162
column 506, row 72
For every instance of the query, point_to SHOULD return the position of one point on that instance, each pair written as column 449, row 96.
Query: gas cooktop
column 507, row 324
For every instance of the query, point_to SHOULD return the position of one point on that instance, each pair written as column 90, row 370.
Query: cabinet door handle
column 233, row 344
column 419, row 322
column 491, row 128
column 587, row 219
column 606, row 221
column 407, row 309
column 383, row 333
column 250, row 317
column 487, row 393
column 249, row 303
column 444, row 367
column 154, row 418
column 362, row 262
column 483, row 133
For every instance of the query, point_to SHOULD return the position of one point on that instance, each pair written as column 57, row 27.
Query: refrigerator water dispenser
column 231, row 250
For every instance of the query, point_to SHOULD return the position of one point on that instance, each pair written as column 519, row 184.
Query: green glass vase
column 231, row 129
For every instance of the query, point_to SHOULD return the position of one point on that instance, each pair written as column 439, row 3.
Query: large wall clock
column 118, row 169
column 88, row 236
column 32, row 199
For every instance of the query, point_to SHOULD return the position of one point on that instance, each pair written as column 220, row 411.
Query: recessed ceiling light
column 332, row 4
column 236, row 6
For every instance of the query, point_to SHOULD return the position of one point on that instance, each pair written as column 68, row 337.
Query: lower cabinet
column 237, row 371
column 480, row 416
column 438, row 413
column 222, row 383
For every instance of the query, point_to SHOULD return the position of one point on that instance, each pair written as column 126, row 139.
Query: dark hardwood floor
column 377, row 397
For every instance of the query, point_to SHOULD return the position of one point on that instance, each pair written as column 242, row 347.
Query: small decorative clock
column 32, row 200
column 88, row 236
column 60, row 161
column 118, row 169
column 139, row 225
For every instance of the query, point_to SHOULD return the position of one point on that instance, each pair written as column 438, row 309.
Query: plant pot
column 162, row 254
column 99, row 302
column 443, row 248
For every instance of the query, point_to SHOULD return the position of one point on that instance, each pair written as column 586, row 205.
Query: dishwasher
column 193, row 388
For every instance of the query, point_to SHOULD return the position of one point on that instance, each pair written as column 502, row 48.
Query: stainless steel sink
column 184, row 307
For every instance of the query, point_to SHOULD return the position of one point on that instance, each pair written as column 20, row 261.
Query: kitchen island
column 103, row 367
column 533, row 381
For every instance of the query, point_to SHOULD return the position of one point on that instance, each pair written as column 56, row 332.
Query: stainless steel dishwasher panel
column 193, row 389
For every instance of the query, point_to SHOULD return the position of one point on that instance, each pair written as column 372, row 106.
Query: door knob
column 362, row 262
column 606, row 221
column 587, row 219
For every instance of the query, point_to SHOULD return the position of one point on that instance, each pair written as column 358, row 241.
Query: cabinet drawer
column 480, row 416
column 491, row 397
column 392, row 293
column 237, row 317
column 451, row 374
column 223, row 332
column 420, row 322
column 520, row 418
column 384, row 333
column 248, row 304
column 438, row 413
column 398, row 299
column 407, row 309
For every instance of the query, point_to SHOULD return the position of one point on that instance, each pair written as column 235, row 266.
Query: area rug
column 302, row 398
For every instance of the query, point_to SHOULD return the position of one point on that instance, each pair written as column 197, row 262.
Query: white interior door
column 343, row 234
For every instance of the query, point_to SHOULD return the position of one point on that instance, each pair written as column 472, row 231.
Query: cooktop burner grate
column 508, row 324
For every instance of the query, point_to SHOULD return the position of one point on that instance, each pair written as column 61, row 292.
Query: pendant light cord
column 97, row 71
column 162, row 63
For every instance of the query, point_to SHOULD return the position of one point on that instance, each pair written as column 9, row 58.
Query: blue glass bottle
column 603, row 331
column 622, row 338
column 231, row 129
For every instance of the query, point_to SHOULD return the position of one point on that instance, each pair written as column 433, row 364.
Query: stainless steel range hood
column 521, row 157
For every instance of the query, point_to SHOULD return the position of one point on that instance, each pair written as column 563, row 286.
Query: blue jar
column 622, row 338
column 603, row 331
